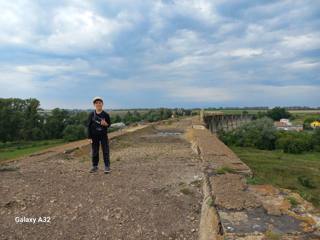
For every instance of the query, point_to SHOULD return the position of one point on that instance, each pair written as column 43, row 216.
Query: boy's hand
column 90, row 140
column 104, row 123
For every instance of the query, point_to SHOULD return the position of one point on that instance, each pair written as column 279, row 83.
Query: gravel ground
column 153, row 191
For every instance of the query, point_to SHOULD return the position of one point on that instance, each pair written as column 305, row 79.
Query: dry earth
column 153, row 191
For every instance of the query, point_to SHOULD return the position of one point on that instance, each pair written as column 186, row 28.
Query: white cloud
column 59, row 67
column 15, row 84
column 63, row 29
column 79, row 29
column 200, row 9
column 18, row 21
column 163, row 13
column 42, row 69
column 200, row 94
column 185, row 42
column 245, row 52
column 302, row 42
column 303, row 65
column 293, row 92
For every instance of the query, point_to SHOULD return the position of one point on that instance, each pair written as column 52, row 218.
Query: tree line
column 262, row 134
column 24, row 120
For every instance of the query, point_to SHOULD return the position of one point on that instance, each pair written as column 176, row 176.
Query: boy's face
column 98, row 105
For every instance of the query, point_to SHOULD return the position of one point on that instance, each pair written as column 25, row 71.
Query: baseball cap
column 96, row 99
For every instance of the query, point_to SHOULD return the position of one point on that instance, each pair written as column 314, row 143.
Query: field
column 15, row 150
column 300, row 173
column 305, row 111
column 239, row 111
column 121, row 113
column 300, row 116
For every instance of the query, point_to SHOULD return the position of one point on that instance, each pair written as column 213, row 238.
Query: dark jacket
column 94, row 126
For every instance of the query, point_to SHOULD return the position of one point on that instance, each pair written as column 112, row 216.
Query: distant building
column 286, row 125
column 315, row 124
column 279, row 124
column 286, row 121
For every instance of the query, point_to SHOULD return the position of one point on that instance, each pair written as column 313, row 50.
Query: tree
column 116, row 119
column 74, row 132
column 316, row 140
column 32, row 122
column 128, row 118
column 294, row 142
column 19, row 119
column 259, row 133
column 56, row 123
column 136, row 116
column 11, row 111
column 78, row 118
column 277, row 113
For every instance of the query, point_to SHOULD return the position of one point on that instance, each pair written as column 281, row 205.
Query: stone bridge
column 232, row 209
column 217, row 121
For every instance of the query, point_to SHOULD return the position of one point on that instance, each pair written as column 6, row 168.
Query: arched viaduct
column 217, row 121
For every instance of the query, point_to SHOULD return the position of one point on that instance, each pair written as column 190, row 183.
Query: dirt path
column 68, row 147
column 153, row 191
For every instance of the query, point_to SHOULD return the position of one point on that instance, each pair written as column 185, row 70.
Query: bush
column 316, row 140
column 306, row 182
column 294, row 142
column 307, row 122
column 228, row 138
column 259, row 133
column 295, row 146
column 74, row 132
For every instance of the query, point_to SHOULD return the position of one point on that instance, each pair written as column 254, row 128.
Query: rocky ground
column 248, row 212
column 153, row 191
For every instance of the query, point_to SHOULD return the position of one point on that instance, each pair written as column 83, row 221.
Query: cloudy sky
column 170, row 53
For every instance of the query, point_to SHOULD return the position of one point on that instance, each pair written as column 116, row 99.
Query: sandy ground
column 153, row 191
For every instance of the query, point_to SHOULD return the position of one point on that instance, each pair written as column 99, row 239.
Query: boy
column 98, row 123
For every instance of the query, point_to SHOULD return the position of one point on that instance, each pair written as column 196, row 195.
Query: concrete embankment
column 232, row 209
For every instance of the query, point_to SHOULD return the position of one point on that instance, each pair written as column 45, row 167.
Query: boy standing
column 98, row 123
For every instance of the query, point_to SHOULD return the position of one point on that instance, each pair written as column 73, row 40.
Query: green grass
column 186, row 191
column 298, row 172
column 121, row 113
column 239, row 111
column 273, row 235
column 20, row 149
column 4, row 168
column 210, row 202
column 224, row 170
column 292, row 201
column 299, row 117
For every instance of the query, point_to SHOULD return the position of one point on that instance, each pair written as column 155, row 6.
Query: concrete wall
column 232, row 209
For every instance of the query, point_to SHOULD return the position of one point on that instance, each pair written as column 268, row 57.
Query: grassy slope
column 299, row 117
column 282, row 170
column 16, row 150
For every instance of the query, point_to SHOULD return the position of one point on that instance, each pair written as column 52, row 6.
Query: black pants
column 96, row 140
